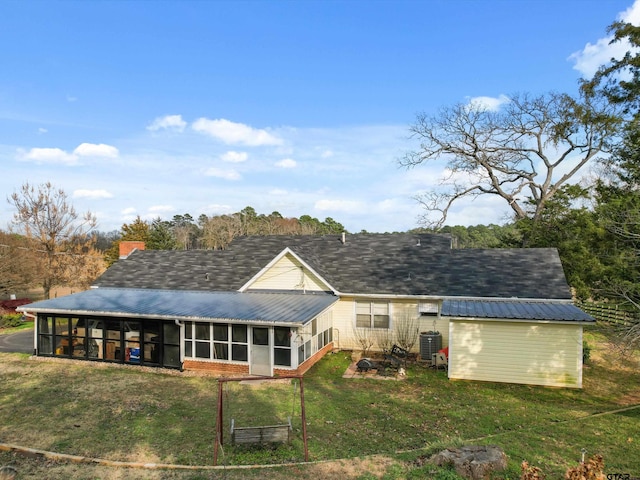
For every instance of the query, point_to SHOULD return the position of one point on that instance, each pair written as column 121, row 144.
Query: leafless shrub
column 365, row 339
column 384, row 339
column 592, row 469
column 406, row 331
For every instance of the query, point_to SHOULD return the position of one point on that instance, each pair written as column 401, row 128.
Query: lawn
column 367, row 428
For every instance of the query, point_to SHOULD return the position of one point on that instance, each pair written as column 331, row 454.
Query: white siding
column 513, row 352
column 400, row 310
column 343, row 323
column 289, row 274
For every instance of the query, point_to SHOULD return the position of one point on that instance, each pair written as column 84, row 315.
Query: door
column 260, row 352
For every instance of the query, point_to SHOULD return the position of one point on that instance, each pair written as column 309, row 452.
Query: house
column 272, row 305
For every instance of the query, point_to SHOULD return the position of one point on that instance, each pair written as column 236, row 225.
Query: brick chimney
column 128, row 246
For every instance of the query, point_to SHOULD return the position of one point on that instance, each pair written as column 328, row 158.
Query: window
column 152, row 339
column 132, row 351
column 221, row 341
column 239, row 340
column 218, row 341
column 372, row 314
column 110, row 340
column 203, row 340
column 45, row 330
column 428, row 309
column 282, row 346
column 171, row 347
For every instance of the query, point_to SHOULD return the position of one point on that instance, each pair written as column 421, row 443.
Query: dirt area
column 352, row 372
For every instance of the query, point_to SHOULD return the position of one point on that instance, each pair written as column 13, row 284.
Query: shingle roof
column 395, row 264
column 279, row 308
column 513, row 309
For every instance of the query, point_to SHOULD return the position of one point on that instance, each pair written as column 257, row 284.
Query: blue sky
column 161, row 108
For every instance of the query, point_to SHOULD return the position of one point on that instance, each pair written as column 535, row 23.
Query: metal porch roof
column 284, row 308
column 514, row 309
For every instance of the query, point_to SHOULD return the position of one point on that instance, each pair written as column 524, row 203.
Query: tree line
column 214, row 232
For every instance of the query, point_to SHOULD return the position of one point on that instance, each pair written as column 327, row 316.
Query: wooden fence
column 620, row 314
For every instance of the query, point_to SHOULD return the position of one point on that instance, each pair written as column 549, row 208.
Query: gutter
column 442, row 298
column 518, row 320
column 173, row 317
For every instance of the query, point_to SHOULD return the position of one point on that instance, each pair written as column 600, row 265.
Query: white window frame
column 428, row 309
column 211, row 341
column 376, row 308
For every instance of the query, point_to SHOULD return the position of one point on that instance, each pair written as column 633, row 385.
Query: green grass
column 131, row 415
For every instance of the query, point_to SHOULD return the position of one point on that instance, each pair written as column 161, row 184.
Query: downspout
column 181, row 326
column 35, row 330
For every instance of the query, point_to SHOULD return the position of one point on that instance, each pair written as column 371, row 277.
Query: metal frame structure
column 220, row 418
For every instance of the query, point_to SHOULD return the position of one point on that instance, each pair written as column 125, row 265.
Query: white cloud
column 161, row 209
column 91, row 194
column 391, row 205
column 234, row 157
column 48, row 155
column 59, row 156
column 128, row 211
column 71, row 98
column 96, row 150
column 593, row 55
column 277, row 191
column 631, row 14
column 224, row 174
column 287, row 163
column 42, row 130
column 350, row 206
column 218, row 209
column 168, row 122
column 489, row 103
column 234, row 133
column 327, row 154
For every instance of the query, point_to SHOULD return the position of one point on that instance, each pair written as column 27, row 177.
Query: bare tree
column 218, row 231
column 17, row 269
column 523, row 153
column 60, row 234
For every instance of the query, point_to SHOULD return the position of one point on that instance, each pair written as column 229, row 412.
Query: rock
column 8, row 473
column 472, row 462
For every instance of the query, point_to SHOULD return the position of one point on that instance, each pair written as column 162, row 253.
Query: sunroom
column 257, row 333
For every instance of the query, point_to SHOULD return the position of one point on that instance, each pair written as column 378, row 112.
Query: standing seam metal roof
column 514, row 309
column 285, row 308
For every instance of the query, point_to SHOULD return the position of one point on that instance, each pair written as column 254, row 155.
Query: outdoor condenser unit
column 430, row 344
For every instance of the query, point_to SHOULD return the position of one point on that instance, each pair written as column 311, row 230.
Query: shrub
column 529, row 472
column 11, row 320
column 592, row 469
column 406, row 331
column 586, row 352
column 365, row 339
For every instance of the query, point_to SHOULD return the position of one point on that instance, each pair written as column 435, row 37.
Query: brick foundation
column 232, row 369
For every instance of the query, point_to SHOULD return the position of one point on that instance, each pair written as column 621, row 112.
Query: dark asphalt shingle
column 395, row 264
